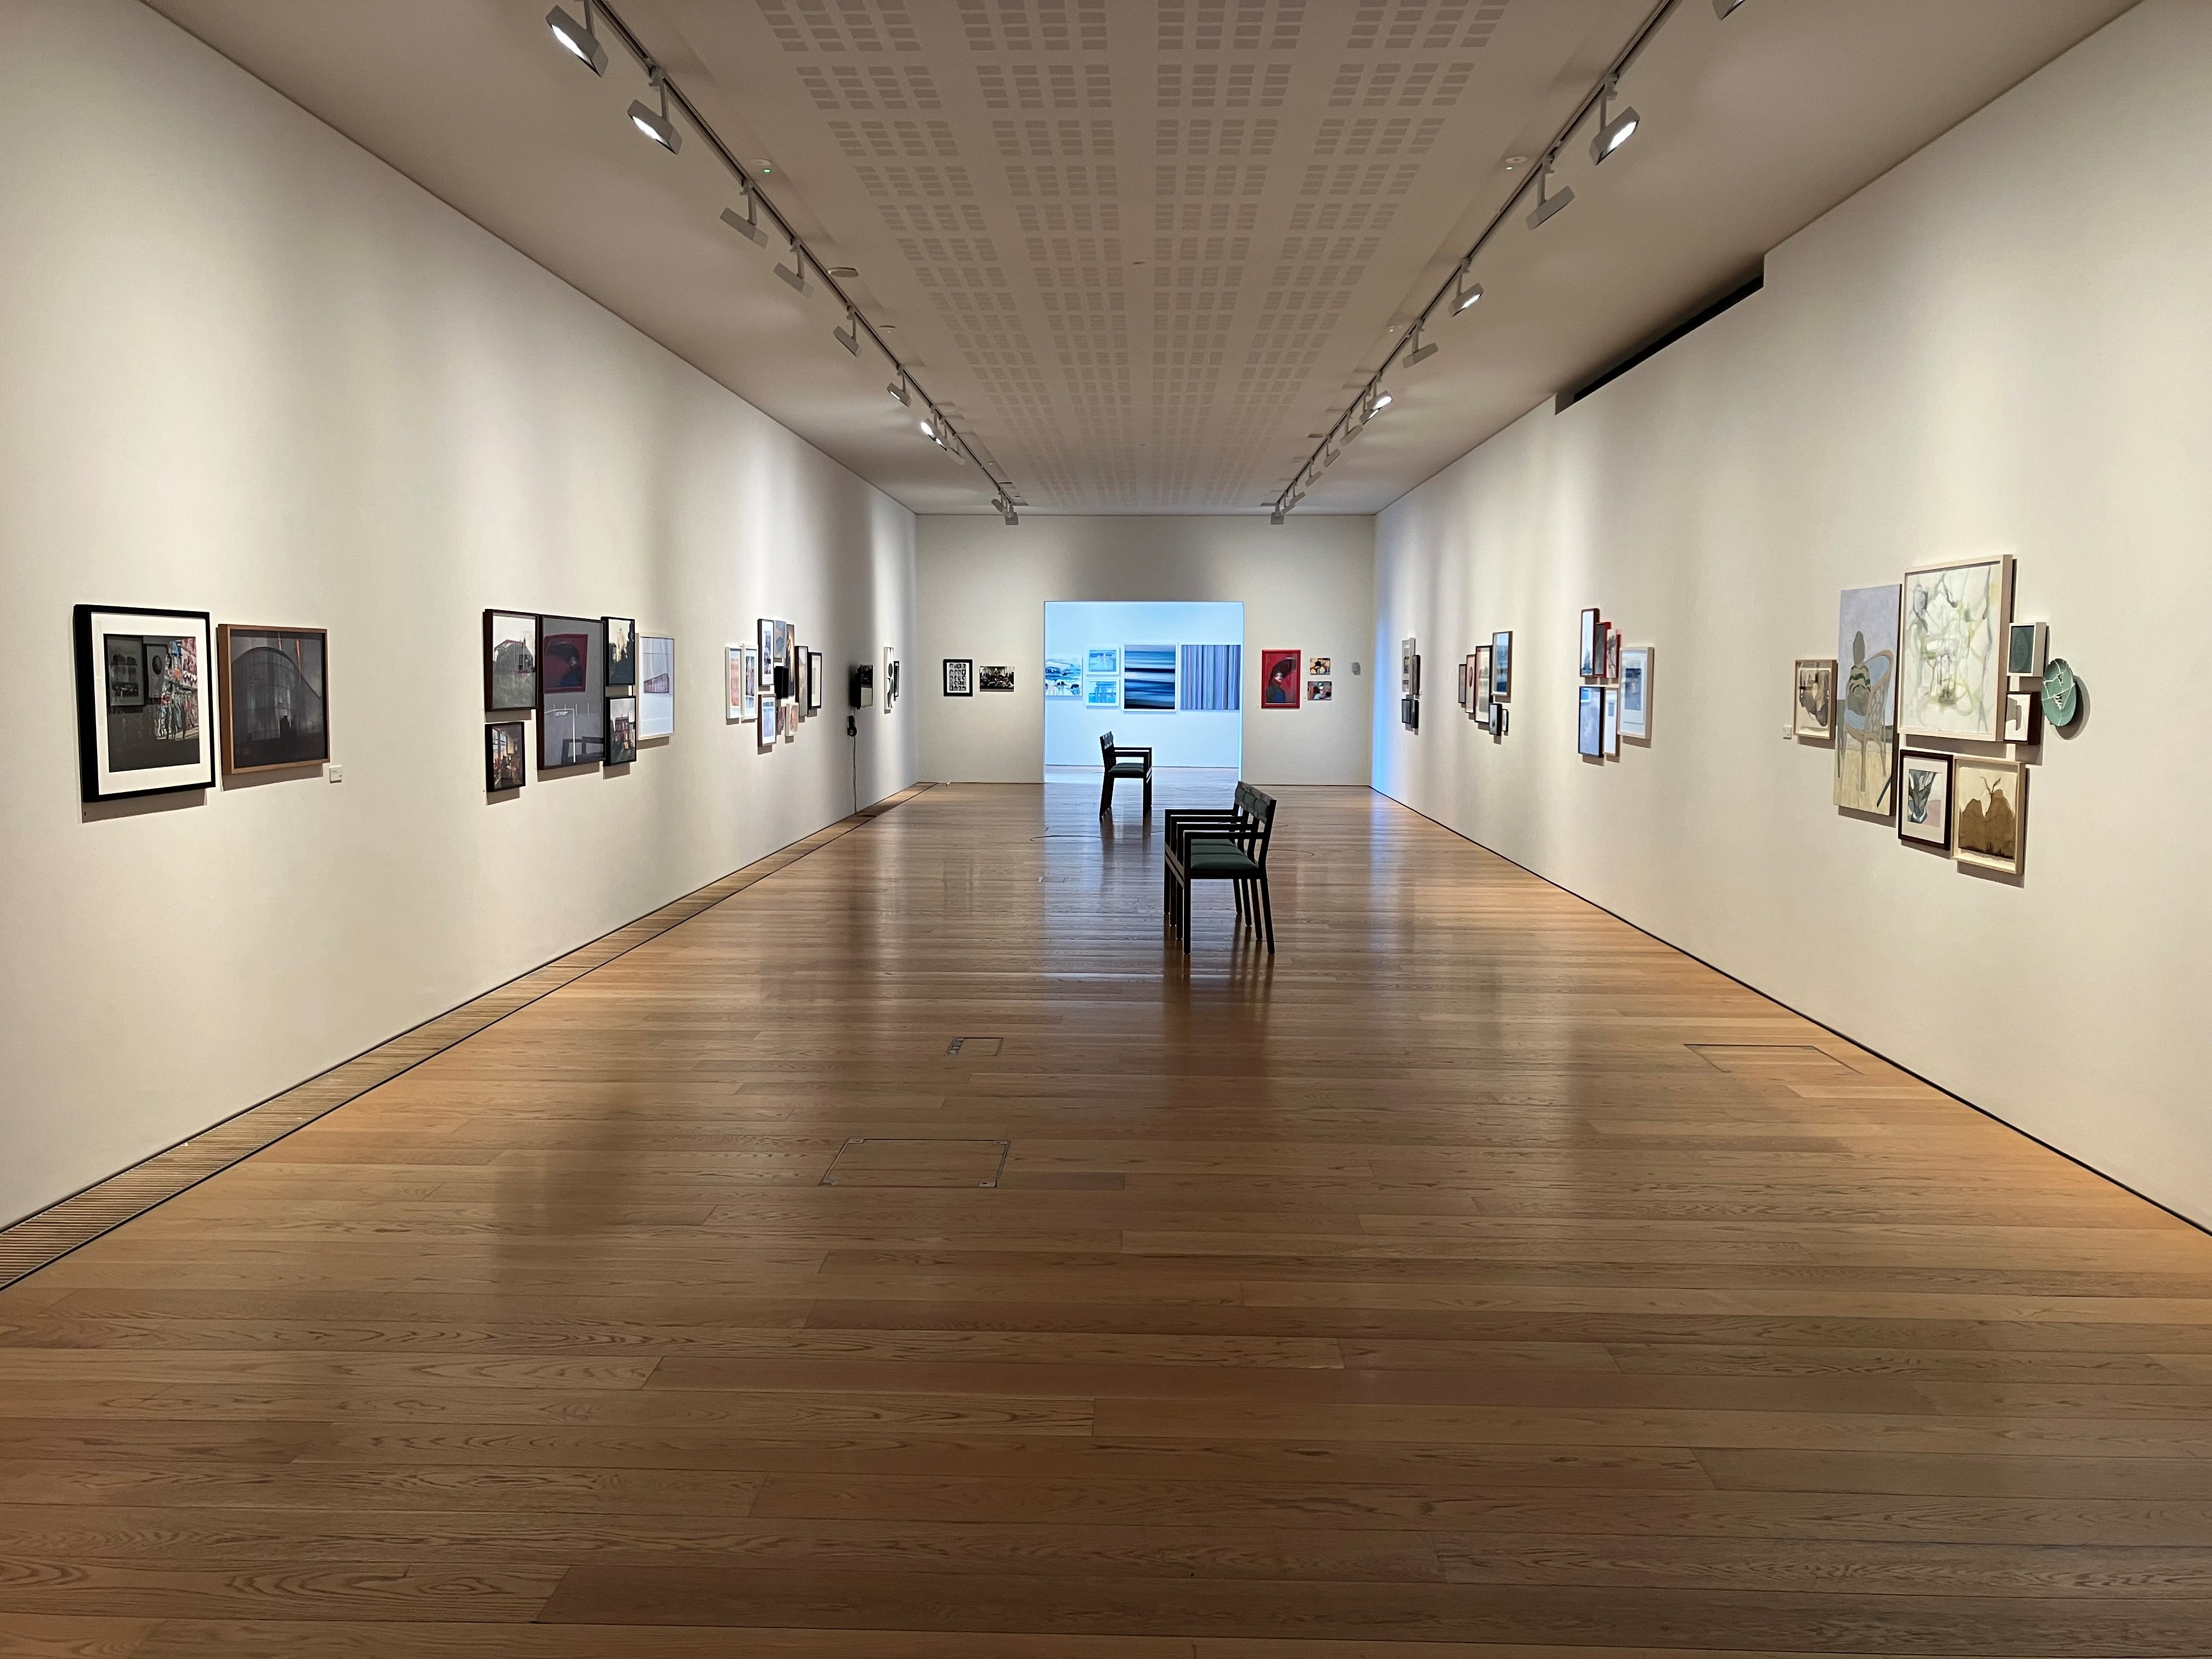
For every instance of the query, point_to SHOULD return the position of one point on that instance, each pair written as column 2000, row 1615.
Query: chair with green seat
column 1124, row 761
column 1233, row 851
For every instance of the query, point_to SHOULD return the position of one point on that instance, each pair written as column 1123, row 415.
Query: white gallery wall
column 253, row 371
column 1308, row 584
column 2004, row 345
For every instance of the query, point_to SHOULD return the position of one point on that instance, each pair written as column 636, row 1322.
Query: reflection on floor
column 1476, row 1272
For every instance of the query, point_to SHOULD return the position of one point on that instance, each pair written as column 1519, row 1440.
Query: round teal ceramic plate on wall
column 2061, row 698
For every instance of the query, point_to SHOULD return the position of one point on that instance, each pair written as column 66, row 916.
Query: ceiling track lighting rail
column 1458, row 296
column 581, row 39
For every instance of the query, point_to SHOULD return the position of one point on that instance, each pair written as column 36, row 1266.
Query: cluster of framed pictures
column 159, row 693
column 1486, row 683
column 1285, row 675
column 772, row 684
column 1614, row 701
column 597, row 686
column 961, row 678
column 1936, row 658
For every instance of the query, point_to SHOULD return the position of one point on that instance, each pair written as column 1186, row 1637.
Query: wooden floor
column 1478, row 1277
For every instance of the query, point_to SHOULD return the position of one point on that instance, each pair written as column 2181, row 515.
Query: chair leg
column 1148, row 796
column 1190, row 919
column 1268, row 909
column 1106, row 795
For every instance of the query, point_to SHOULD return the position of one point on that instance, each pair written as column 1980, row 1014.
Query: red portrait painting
column 1278, row 679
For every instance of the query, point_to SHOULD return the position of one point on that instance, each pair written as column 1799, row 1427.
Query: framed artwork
column 1590, row 722
column 2025, row 644
column 1103, row 694
column 766, row 650
column 1988, row 801
column 621, row 650
column 891, row 677
column 786, row 720
column 1500, row 718
column 1612, row 653
column 1636, row 691
column 510, row 645
column 740, row 682
column 1148, row 678
column 1592, row 658
column 1063, row 677
column 753, row 684
column 1613, row 722
column 1405, row 667
column 1949, row 672
column 144, row 724
column 1481, row 700
column 275, row 697
column 1466, row 671
column 814, row 682
column 1924, row 798
column 1278, row 678
column 503, row 765
column 1866, row 699
column 1409, row 712
column 1417, row 674
column 2021, row 709
column 1317, row 668
column 997, row 677
column 1501, row 664
column 1103, row 660
column 656, row 685
column 1321, row 691
column 572, row 693
column 959, row 677
column 1812, row 710
column 622, row 729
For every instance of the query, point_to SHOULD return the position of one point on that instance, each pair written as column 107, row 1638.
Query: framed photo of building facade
column 510, row 646
column 275, row 697
column 145, row 725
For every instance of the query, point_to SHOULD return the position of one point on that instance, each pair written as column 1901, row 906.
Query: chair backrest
column 1257, row 811
column 1106, row 746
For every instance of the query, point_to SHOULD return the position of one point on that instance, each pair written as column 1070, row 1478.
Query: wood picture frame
column 1989, row 813
column 1812, row 699
column 1953, row 625
column 275, row 697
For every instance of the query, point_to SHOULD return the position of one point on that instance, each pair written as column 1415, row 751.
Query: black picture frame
column 1939, row 760
column 94, row 709
column 499, row 778
column 959, row 677
column 620, row 641
column 813, row 682
column 572, row 729
column 491, row 632
column 622, row 729
column 1501, row 666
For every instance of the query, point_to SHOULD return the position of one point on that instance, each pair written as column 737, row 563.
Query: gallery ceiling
column 1142, row 252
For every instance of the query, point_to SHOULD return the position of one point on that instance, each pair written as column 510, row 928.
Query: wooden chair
column 1211, row 847
column 1122, row 762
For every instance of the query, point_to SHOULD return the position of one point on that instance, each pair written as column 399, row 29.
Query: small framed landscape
column 960, row 676
column 275, row 698
column 1813, row 708
column 510, row 649
column 1989, row 814
column 144, row 722
column 503, row 761
column 1923, row 799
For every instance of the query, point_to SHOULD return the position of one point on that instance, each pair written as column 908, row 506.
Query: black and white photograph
column 510, row 650
column 996, row 677
column 144, row 721
column 275, row 698
column 959, row 677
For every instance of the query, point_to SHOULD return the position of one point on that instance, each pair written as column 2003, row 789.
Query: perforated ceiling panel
column 1137, row 249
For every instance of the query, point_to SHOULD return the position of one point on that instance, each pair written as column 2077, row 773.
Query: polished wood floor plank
column 1477, row 1277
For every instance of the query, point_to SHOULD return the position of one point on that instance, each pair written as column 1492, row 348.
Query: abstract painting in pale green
column 1866, row 699
column 1950, row 680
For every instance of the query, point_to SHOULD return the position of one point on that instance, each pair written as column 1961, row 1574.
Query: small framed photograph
column 1321, row 691
column 1924, row 798
column 1612, row 653
column 145, row 722
column 1812, row 714
column 1593, row 648
column 765, row 650
column 1589, row 723
column 656, row 685
column 996, row 677
column 737, row 682
column 1500, row 718
column 503, row 764
column 2022, row 710
column 959, row 677
column 1636, row 691
column 813, row 682
column 1989, row 812
column 621, row 730
column 1501, row 664
column 1103, row 694
column 1481, row 700
column 510, row 660
column 1613, row 722
column 1317, row 668
column 2025, row 644
column 621, row 650
column 891, row 677
column 1466, row 671
column 275, row 698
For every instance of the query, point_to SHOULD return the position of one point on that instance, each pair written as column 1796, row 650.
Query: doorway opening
column 1165, row 674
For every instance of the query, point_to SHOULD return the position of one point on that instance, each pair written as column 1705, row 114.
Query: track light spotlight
column 1549, row 205
column 1006, row 510
column 795, row 272
column 1423, row 351
column 1722, row 9
column 849, row 336
column 1611, row 133
column 929, row 428
column 1276, row 517
column 1464, row 297
column 898, row 388
column 577, row 37
column 1380, row 402
column 659, row 128
column 748, row 227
